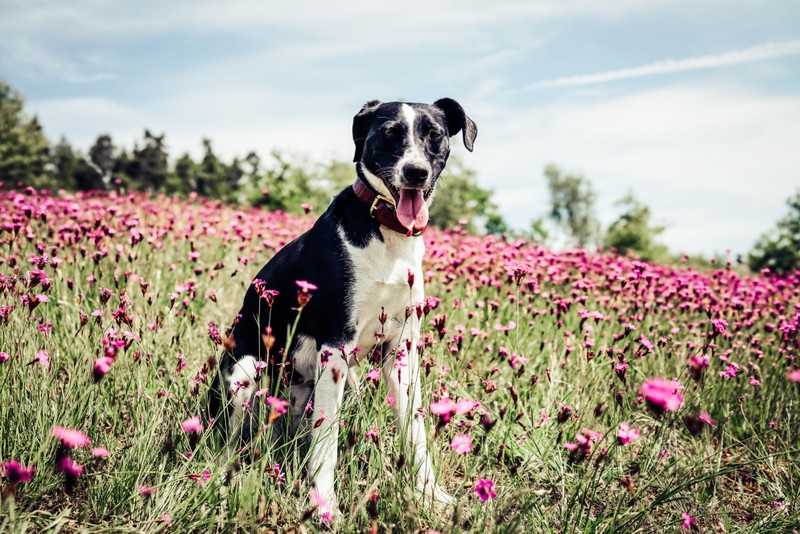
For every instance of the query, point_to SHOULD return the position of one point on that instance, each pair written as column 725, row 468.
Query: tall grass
column 511, row 330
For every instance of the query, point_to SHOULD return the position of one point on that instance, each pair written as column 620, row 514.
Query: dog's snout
column 415, row 174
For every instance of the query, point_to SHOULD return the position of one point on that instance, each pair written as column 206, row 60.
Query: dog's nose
column 415, row 174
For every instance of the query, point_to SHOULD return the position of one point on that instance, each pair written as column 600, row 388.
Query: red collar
column 382, row 208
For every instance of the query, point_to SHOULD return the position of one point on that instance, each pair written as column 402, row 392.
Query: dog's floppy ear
column 457, row 121
column 360, row 124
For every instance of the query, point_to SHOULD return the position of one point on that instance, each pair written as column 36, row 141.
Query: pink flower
column 69, row 466
column 374, row 375
column 689, row 522
column 373, row 435
column 192, row 424
column 102, row 366
column 279, row 406
column 100, row 452
column 462, row 443
column 444, row 408
column 464, row 406
column 200, row 479
column 754, row 382
column 3, row 357
column 166, row 518
column 147, row 491
column 484, row 489
column 626, row 434
column 305, row 286
column 43, row 358
column 318, row 500
column 662, row 394
column 70, row 437
column 720, row 327
column 793, row 376
column 15, row 472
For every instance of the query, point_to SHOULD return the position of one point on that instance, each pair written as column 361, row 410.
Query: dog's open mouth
column 412, row 211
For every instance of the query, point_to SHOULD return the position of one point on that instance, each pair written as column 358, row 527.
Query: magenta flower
column 147, row 491
column 689, row 522
column 101, row 366
column 793, row 376
column 464, row 406
column 374, row 375
column 662, row 394
column 70, row 437
column 100, row 452
column 43, row 358
column 193, row 425
column 462, row 443
column 3, row 357
column 279, row 406
column 373, row 435
column 15, row 472
column 484, row 489
column 69, row 466
column 444, row 408
column 303, row 294
column 720, row 327
column 626, row 434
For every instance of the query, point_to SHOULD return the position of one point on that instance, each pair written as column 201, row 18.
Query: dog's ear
column 360, row 125
column 457, row 121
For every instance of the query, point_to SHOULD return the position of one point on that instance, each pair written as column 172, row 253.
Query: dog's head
column 401, row 148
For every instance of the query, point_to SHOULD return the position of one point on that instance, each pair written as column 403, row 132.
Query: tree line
column 295, row 184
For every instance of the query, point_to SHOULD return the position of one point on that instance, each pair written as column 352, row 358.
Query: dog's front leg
column 328, row 392
column 401, row 372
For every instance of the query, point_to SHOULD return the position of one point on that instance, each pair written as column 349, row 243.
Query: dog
column 354, row 278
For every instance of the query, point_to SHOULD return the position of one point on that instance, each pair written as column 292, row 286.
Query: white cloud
column 732, row 57
column 714, row 162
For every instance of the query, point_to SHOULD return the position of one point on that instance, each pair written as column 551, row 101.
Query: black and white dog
column 364, row 254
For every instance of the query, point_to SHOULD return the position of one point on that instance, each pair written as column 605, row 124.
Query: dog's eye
column 435, row 135
column 391, row 131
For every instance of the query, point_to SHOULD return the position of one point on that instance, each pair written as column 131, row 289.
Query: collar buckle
column 375, row 204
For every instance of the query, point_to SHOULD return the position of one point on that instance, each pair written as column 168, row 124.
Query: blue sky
column 692, row 105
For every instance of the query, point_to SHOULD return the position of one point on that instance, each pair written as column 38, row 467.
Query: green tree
column 460, row 198
column 23, row 147
column 634, row 232
column 152, row 163
column 779, row 250
column 65, row 163
column 102, row 155
column 572, row 205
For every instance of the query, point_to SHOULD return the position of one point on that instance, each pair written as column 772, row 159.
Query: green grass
column 729, row 477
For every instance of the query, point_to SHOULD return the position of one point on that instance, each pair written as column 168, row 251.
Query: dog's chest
column 387, row 279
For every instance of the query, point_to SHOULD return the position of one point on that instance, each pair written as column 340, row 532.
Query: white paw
column 432, row 491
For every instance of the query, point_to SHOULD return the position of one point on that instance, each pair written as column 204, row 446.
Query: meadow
column 564, row 391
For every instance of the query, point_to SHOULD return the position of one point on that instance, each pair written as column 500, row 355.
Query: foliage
column 779, row 251
column 572, row 205
column 283, row 182
column 459, row 198
column 23, row 146
column 551, row 360
column 633, row 232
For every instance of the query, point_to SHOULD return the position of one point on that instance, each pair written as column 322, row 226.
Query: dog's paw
column 433, row 492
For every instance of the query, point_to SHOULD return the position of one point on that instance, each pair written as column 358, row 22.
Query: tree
column 633, row 231
column 460, row 198
column 23, row 146
column 65, row 161
column 572, row 204
column 779, row 250
column 102, row 155
column 152, row 163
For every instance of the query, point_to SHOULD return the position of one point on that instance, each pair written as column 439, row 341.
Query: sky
column 693, row 106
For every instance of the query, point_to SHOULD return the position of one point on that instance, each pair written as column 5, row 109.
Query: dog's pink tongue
column 412, row 212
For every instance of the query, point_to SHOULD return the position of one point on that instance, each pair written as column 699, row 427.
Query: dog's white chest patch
column 381, row 281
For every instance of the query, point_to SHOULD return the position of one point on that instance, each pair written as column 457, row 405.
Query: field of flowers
column 564, row 392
